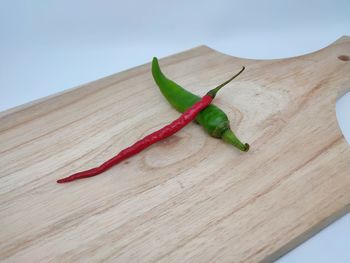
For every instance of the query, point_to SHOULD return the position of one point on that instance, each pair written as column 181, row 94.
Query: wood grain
column 190, row 198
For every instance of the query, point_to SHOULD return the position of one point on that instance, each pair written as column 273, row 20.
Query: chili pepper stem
column 213, row 92
column 229, row 137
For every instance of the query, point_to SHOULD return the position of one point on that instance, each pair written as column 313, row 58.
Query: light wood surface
column 190, row 198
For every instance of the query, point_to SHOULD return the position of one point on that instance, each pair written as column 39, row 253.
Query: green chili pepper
column 212, row 118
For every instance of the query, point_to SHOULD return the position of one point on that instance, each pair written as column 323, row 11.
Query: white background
column 49, row 46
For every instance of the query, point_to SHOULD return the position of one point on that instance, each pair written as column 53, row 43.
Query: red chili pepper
column 152, row 138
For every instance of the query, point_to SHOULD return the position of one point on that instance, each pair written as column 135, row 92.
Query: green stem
column 212, row 93
column 230, row 137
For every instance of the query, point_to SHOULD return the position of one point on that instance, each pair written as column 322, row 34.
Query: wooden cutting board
column 190, row 198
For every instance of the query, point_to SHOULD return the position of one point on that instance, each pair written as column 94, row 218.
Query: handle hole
column 344, row 58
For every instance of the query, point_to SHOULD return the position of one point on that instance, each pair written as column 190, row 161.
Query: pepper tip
column 63, row 180
column 246, row 147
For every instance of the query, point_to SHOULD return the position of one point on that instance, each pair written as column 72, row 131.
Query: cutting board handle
column 343, row 44
column 333, row 57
